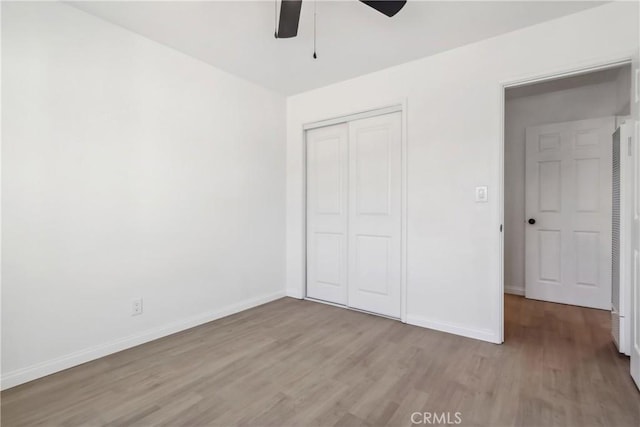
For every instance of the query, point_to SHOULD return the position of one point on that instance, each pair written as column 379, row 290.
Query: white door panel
column 375, row 214
column 635, row 320
column 568, row 194
column 635, row 288
column 327, row 205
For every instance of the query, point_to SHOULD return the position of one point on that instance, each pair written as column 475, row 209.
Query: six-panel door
column 568, row 194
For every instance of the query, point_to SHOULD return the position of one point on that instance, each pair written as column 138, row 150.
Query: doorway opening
column 565, row 198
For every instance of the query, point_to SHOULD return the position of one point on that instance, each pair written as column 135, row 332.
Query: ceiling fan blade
column 389, row 7
column 289, row 18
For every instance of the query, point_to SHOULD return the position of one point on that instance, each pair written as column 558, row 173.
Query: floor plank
column 294, row 362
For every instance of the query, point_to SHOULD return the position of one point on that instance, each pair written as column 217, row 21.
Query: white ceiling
column 353, row 39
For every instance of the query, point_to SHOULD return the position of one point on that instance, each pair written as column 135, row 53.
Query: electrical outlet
column 136, row 307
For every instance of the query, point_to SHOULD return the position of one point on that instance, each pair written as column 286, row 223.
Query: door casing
column 583, row 68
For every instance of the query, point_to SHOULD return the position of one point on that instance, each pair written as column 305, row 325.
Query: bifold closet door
column 375, row 214
column 327, row 204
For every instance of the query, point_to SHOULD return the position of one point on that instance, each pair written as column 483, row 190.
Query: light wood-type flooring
column 302, row 363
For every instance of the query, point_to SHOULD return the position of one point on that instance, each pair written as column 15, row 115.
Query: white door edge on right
column 635, row 288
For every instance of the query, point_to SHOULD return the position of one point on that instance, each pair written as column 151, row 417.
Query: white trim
column 371, row 313
column 20, row 376
column 513, row 291
column 303, row 289
column 586, row 67
column 479, row 334
column 405, row 209
column 295, row 293
column 333, row 304
column 355, row 116
column 501, row 159
column 392, row 107
column 570, row 73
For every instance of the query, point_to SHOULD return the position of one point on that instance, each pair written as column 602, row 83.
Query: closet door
column 327, row 204
column 374, row 224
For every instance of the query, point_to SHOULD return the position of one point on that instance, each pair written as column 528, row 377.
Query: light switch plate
column 482, row 194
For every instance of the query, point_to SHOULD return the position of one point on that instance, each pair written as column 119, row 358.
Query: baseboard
column 295, row 293
column 478, row 334
column 23, row 375
column 513, row 291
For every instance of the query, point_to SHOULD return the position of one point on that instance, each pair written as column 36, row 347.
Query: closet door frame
column 399, row 106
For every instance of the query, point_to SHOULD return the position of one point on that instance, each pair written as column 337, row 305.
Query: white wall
column 623, row 91
column 132, row 170
column 584, row 102
column 129, row 170
column 454, row 144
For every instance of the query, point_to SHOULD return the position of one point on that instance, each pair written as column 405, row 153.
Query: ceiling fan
column 290, row 14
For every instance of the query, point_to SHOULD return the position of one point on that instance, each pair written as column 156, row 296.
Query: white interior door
column 635, row 288
column 327, row 204
column 634, row 297
column 374, row 225
column 568, row 195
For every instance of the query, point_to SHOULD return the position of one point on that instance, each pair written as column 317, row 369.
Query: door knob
column 531, row 221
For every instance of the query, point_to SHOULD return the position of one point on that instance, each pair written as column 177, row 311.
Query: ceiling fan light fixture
column 289, row 19
column 387, row 7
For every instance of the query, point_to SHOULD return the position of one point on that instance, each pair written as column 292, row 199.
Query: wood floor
column 301, row 363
